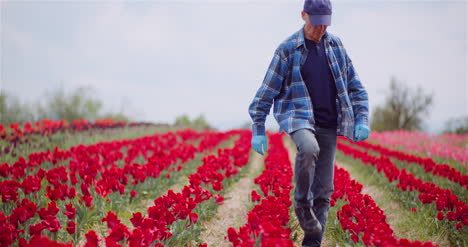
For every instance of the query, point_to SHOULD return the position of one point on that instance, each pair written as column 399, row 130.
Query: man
column 317, row 96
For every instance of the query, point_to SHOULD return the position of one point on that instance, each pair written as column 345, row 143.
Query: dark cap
column 319, row 11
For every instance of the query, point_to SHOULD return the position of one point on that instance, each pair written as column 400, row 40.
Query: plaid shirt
column 283, row 85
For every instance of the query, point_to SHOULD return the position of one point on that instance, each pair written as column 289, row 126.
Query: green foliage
column 198, row 123
column 12, row 110
column 404, row 108
column 183, row 120
column 74, row 106
column 457, row 125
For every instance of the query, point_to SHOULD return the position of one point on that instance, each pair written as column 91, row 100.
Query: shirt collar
column 301, row 41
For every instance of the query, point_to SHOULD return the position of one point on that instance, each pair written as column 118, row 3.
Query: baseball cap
column 319, row 11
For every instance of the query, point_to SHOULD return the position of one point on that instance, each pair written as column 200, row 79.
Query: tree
column 201, row 123
column 183, row 120
column 58, row 105
column 457, row 125
column 77, row 105
column 198, row 123
column 404, row 108
column 12, row 110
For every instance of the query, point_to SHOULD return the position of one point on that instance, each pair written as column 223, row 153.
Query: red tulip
column 71, row 227
column 193, row 218
column 92, row 239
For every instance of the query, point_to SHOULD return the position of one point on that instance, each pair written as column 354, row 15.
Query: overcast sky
column 159, row 59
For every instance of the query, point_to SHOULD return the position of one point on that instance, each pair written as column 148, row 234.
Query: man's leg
column 322, row 187
column 304, row 168
column 307, row 154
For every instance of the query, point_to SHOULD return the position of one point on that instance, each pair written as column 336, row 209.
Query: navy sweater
column 320, row 84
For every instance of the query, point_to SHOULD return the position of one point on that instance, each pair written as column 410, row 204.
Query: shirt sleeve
column 269, row 89
column 357, row 94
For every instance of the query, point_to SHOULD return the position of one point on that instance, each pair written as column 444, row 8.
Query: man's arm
column 357, row 94
column 270, row 88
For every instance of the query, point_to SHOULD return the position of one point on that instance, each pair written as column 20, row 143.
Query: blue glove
column 361, row 132
column 259, row 144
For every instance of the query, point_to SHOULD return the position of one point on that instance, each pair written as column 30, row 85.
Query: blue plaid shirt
column 283, row 85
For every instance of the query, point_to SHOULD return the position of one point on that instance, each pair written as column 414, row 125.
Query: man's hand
column 361, row 132
column 259, row 144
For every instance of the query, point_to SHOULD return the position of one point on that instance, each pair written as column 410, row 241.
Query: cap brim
column 317, row 20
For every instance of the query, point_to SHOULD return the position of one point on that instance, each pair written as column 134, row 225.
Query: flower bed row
column 441, row 170
column 108, row 151
column 49, row 126
column 444, row 200
column 362, row 217
column 447, row 145
column 267, row 221
column 154, row 229
column 102, row 169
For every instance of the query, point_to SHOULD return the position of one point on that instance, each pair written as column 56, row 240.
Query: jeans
column 313, row 174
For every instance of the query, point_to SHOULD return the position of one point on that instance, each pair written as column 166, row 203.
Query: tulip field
column 111, row 183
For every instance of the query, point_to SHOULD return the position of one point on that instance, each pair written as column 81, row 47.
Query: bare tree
column 404, row 108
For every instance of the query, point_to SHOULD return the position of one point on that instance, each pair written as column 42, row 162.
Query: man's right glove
column 361, row 132
column 259, row 144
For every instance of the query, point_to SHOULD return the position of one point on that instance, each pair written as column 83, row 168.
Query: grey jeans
column 313, row 174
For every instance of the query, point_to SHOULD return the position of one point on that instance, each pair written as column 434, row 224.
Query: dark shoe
column 307, row 220
column 311, row 240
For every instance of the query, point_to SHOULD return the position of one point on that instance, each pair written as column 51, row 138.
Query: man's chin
column 316, row 39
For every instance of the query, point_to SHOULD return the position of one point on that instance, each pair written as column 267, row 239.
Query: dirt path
column 235, row 208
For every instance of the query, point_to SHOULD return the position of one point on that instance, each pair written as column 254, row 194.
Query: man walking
column 317, row 96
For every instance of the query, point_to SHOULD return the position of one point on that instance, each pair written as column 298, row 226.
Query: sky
column 157, row 60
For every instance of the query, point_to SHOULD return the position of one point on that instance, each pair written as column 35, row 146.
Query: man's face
column 314, row 33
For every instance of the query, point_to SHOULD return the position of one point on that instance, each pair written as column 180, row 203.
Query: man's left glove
column 361, row 132
column 259, row 144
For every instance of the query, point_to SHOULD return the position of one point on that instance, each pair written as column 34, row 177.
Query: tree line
column 75, row 105
column 404, row 108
